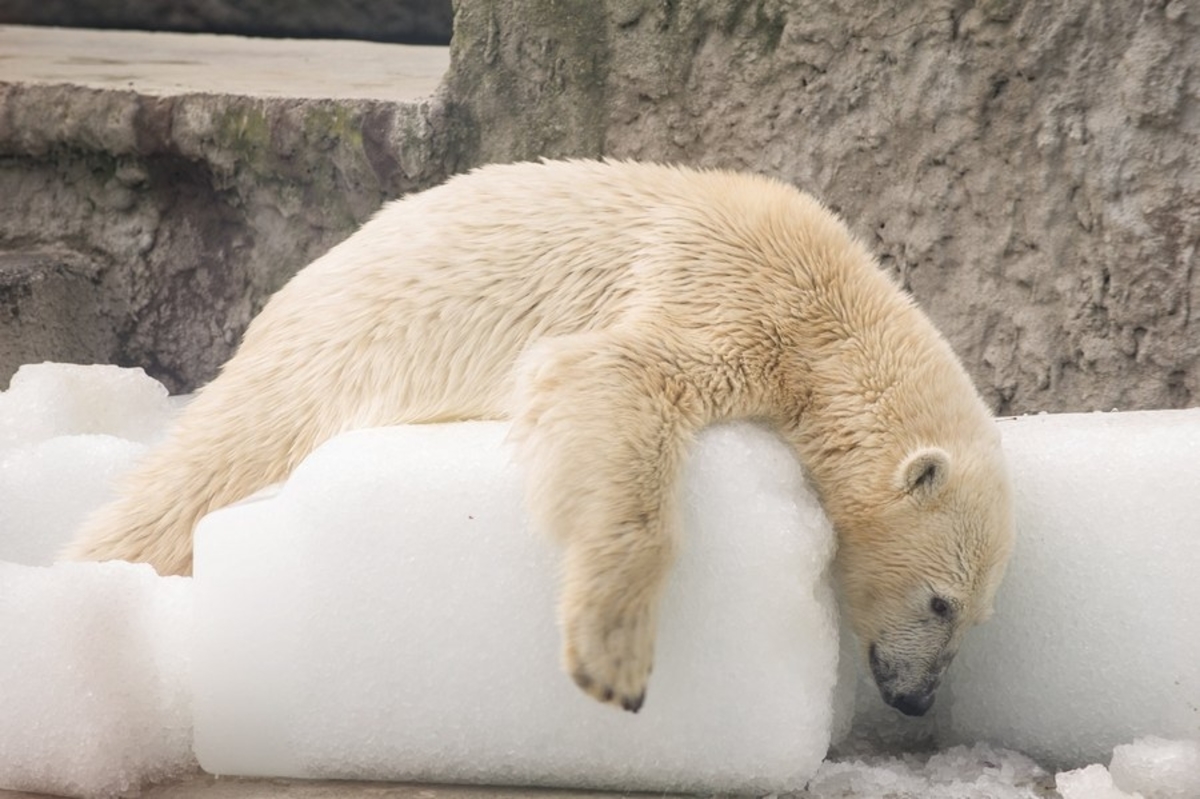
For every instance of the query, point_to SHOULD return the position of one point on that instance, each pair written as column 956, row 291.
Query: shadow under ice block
column 390, row 614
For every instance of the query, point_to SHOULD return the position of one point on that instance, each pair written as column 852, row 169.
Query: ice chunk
column 1158, row 768
column 55, row 399
column 48, row 487
column 390, row 615
column 66, row 433
column 1094, row 641
column 93, row 678
column 1092, row 782
column 978, row 772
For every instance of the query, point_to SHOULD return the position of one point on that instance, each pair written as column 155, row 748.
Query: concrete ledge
column 413, row 21
column 167, row 64
column 195, row 174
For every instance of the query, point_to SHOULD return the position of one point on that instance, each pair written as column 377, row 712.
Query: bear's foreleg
column 602, row 423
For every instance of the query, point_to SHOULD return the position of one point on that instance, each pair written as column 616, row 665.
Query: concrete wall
column 1030, row 171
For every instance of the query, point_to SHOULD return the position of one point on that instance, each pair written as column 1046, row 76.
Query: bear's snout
column 912, row 704
column 891, row 679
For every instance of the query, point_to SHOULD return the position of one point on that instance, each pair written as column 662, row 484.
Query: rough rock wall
column 148, row 231
column 1030, row 171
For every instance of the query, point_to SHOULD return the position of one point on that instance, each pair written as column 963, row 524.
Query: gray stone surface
column 168, row 65
column 410, row 21
column 185, row 208
column 1031, row 171
column 51, row 291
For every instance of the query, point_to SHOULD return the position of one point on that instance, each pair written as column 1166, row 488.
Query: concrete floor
column 203, row 786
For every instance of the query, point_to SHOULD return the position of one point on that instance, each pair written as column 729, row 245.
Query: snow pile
column 1096, row 637
column 403, row 557
column 48, row 400
column 1092, row 782
column 957, row 773
column 93, row 679
column 94, row 687
column 1158, row 768
column 409, row 622
column 66, row 432
column 1149, row 768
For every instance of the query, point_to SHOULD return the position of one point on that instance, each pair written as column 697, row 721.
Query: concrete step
column 412, row 21
column 198, row 173
column 172, row 64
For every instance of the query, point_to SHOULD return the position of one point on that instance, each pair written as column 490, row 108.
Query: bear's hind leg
column 602, row 424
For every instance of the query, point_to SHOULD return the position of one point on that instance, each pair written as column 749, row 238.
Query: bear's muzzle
column 888, row 678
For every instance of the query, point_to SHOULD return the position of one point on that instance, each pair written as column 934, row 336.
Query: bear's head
column 920, row 565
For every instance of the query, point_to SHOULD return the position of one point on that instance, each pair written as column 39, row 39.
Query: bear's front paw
column 610, row 655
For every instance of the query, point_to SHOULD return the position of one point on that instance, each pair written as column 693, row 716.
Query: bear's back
column 465, row 276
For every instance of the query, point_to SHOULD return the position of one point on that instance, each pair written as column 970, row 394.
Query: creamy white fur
column 612, row 310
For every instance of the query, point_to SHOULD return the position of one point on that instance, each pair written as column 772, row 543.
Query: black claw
column 634, row 704
column 607, row 695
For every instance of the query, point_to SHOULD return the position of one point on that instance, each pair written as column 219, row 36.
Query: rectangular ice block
column 1096, row 637
column 391, row 615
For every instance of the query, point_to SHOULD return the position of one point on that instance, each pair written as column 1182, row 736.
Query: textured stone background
column 1030, row 171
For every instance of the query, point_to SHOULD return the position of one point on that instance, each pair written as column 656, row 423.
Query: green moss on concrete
column 330, row 125
column 244, row 131
column 309, row 154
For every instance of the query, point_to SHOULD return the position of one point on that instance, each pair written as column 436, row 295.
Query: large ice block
column 390, row 614
column 1096, row 637
column 94, row 690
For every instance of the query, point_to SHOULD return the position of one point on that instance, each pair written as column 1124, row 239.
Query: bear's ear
column 924, row 473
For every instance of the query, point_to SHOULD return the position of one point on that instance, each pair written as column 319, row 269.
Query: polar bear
column 611, row 310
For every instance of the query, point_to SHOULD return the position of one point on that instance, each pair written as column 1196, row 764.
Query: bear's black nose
column 912, row 704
